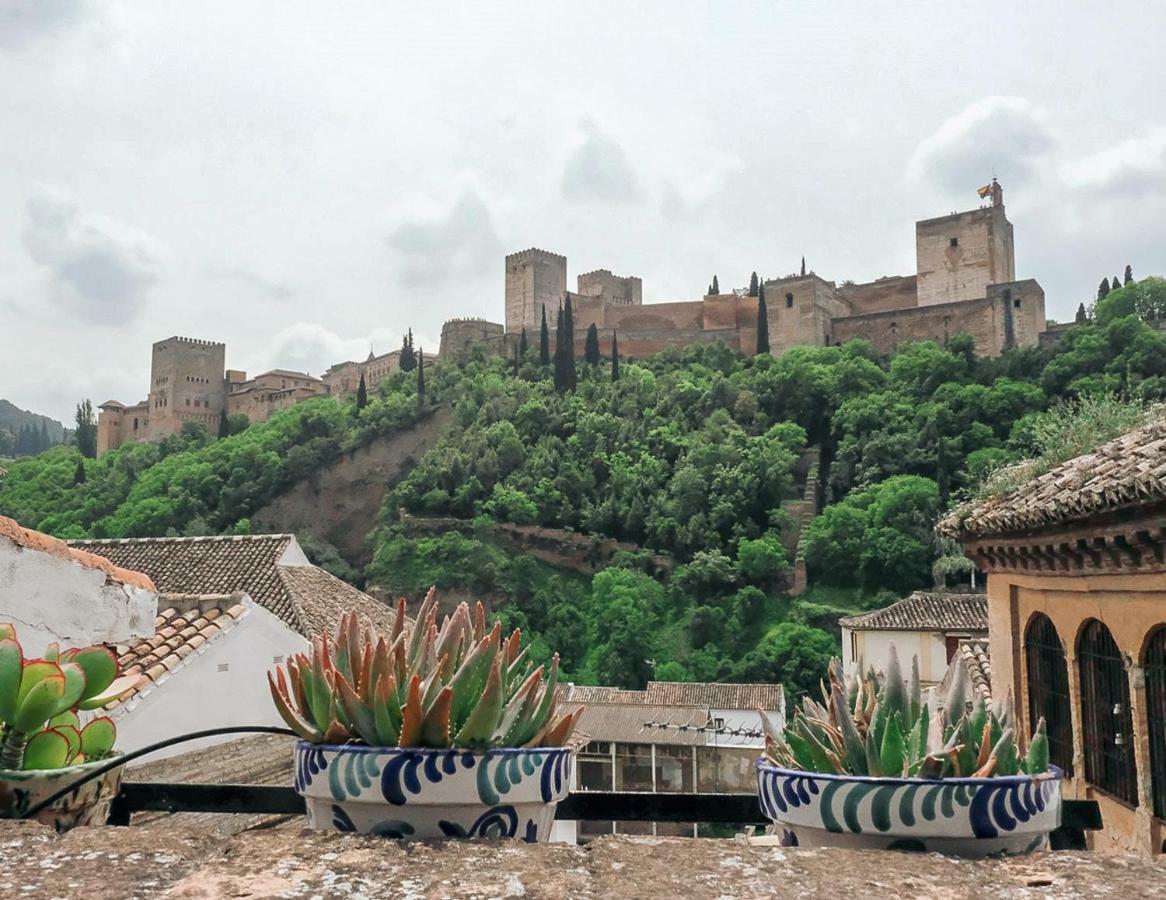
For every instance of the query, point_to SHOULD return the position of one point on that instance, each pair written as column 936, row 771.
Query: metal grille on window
column 1048, row 689
column 1106, row 720
column 1155, row 666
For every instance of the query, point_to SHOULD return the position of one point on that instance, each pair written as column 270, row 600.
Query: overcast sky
column 302, row 180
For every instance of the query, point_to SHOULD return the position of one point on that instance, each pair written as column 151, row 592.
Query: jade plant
column 421, row 685
column 882, row 726
column 40, row 699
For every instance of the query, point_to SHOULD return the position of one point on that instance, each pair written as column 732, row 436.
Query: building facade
column 1076, row 563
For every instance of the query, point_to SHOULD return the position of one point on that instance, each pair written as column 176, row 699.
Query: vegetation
column 883, row 726
column 421, row 686
column 40, row 699
column 692, row 455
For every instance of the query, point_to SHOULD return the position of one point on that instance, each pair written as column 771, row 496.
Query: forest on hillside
column 690, row 453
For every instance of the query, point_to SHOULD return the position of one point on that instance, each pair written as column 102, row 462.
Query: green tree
column 791, row 654
column 79, row 472
column 761, row 561
column 591, row 346
column 86, row 430
column 408, row 358
column 715, row 287
column 614, row 356
column 1103, row 289
column 544, row 351
column 421, row 378
column 753, row 285
column 762, row 323
column 1082, row 316
column 522, row 343
column 1129, row 275
column 362, row 393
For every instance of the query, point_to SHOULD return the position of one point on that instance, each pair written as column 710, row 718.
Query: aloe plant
column 40, row 700
column 882, row 726
column 421, row 685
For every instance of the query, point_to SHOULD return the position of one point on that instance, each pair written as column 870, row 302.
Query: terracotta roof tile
column 926, row 611
column 35, row 540
column 1127, row 471
column 155, row 658
column 305, row 597
column 976, row 659
column 680, row 695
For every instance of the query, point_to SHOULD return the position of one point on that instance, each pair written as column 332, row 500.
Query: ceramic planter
column 432, row 793
column 960, row 816
column 85, row 805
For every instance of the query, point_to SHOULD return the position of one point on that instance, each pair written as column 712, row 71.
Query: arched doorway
column 1048, row 688
column 1106, row 721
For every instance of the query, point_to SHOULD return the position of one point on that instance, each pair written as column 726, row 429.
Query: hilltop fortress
column 965, row 280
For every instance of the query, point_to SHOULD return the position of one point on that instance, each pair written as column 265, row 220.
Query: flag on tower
column 985, row 190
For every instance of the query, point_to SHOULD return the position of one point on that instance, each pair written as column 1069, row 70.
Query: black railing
column 1078, row 816
column 1107, row 721
column 1048, row 689
column 1155, row 666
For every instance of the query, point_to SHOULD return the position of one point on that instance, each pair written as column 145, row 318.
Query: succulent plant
column 40, row 699
column 881, row 726
column 457, row 685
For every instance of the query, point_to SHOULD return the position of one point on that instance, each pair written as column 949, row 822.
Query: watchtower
column 187, row 384
column 960, row 255
column 534, row 279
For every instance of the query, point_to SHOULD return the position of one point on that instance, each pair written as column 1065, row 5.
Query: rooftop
column 163, row 859
column 1126, row 472
column 269, row 568
column 43, row 543
column 926, row 611
column 184, row 624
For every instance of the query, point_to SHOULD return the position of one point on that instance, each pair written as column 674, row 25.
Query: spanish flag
column 984, row 191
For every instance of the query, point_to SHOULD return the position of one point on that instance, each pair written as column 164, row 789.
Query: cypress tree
column 86, row 430
column 615, row 356
column 1082, row 315
column 753, row 285
column 224, row 426
column 522, row 342
column 421, row 377
column 408, row 359
column 569, row 352
column 79, row 472
column 716, row 287
column 803, row 266
column 762, row 324
column 1116, row 286
column 544, row 351
column 591, row 346
column 361, row 394
column 1103, row 289
column 560, row 349
column 1129, row 275
column 515, row 362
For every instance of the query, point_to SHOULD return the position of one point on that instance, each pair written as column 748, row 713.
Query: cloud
column 269, row 287
column 1005, row 135
column 102, row 270
column 23, row 22
column 1135, row 167
column 598, row 169
column 456, row 244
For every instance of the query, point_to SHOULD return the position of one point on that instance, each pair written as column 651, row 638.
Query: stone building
column 964, row 281
column 189, row 382
column 1076, row 563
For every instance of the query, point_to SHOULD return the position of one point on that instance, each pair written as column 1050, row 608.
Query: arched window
column 1106, row 722
column 1155, row 666
column 1048, row 689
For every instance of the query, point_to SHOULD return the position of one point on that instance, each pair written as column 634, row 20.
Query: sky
column 306, row 180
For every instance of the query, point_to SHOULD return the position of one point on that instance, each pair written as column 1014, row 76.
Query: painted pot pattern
column 85, row 805
column 432, row 793
column 960, row 816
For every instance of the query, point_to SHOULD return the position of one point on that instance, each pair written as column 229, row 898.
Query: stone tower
column 187, row 384
column 959, row 256
column 534, row 279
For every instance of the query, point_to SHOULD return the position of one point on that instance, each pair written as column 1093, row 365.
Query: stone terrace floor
column 165, row 860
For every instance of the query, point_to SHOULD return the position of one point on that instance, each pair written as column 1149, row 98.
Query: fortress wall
column 187, row 384
column 534, row 279
column 585, row 311
column 799, row 311
column 894, row 292
column 617, row 289
column 460, row 336
column 685, row 315
column 1022, row 312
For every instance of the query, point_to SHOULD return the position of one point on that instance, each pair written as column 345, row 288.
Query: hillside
column 23, row 432
column 690, row 457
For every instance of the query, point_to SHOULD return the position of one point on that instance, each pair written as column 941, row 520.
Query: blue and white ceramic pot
column 87, row 804
column 959, row 816
column 432, row 793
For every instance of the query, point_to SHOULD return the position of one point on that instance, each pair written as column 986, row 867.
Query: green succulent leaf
column 11, row 667
column 46, row 750
column 98, row 737
column 39, row 703
column 99, row 665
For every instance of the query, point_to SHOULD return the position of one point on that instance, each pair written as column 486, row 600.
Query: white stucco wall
column 201, row 694
column 54, row 598
column 874, row 649
column 294, row 555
